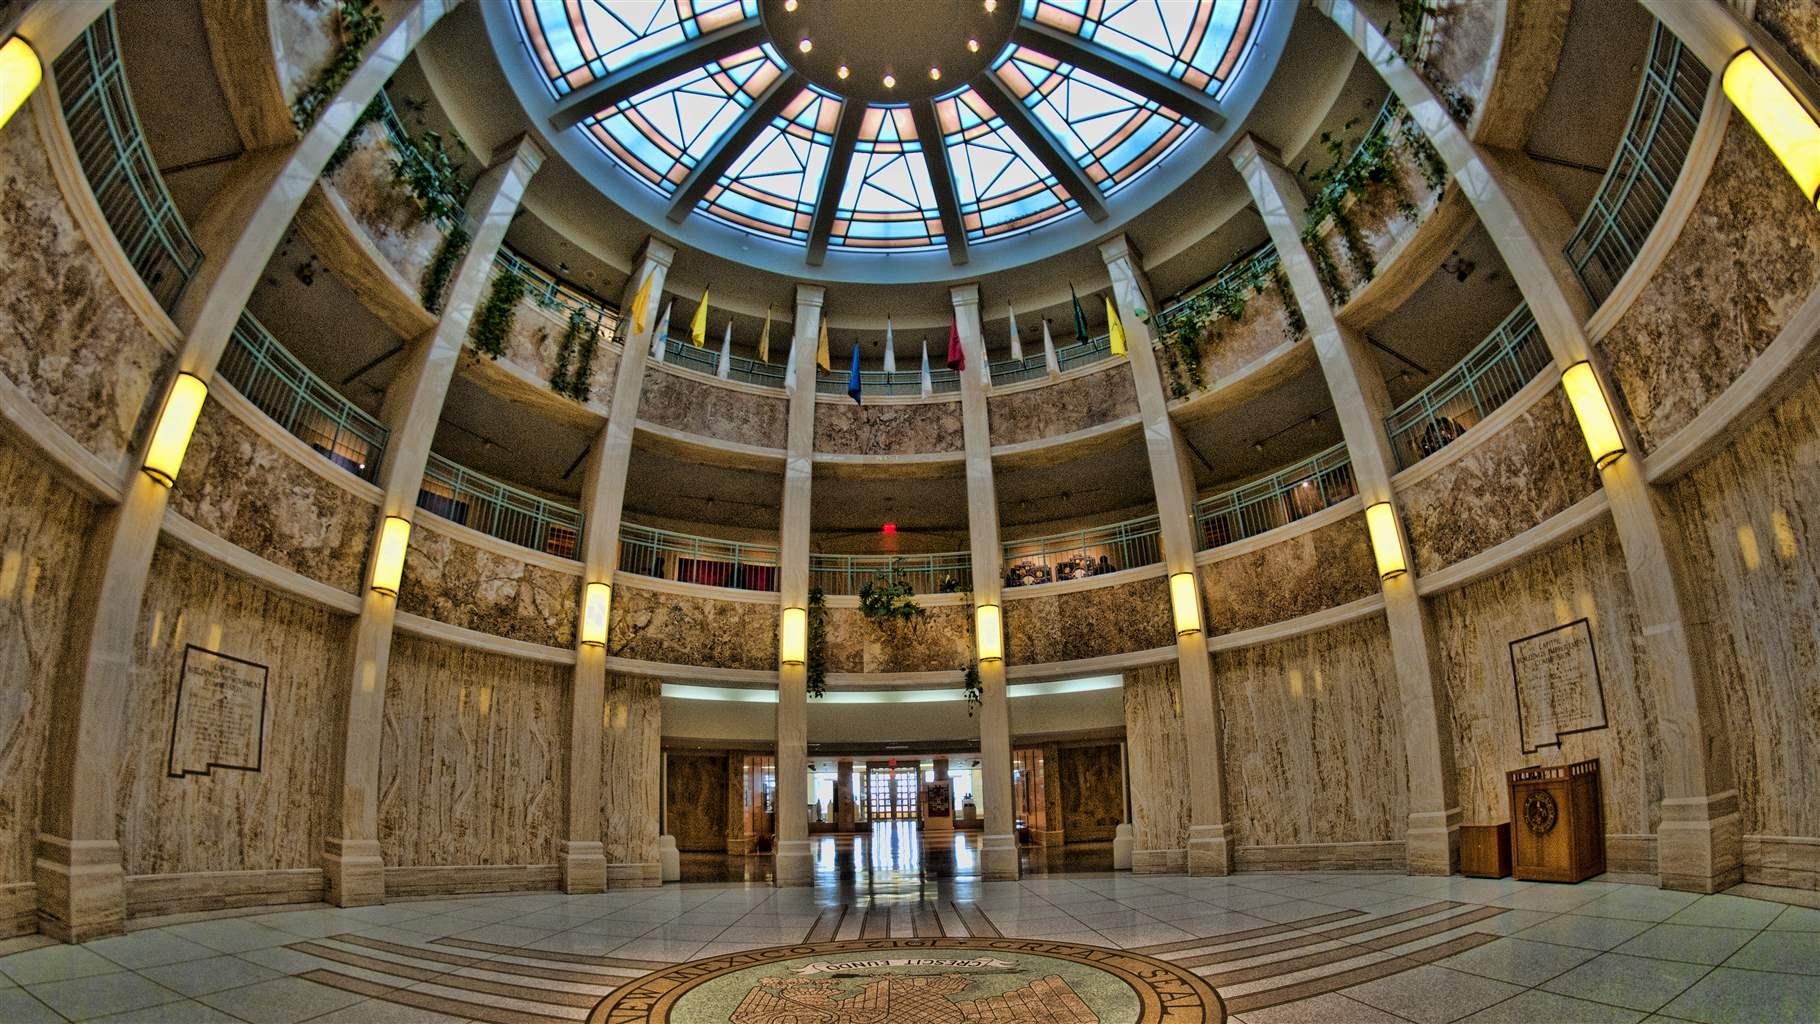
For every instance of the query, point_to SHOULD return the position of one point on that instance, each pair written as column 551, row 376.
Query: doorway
column 892, row 792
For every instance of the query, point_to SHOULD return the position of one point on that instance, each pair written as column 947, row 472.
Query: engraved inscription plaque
column 220, row 719
column 1557, row 681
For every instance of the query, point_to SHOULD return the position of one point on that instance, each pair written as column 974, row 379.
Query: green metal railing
column 407, row 151
column 897, row 382
column 98, row 107
column 666, row 554
column 944, row 573
column 1081, row 553
column 1496, row 368
column 482, row 503
column 271, row 378
column 1645, row 168
column 1083, row 353
column 1282, row 497
column 544, row 289
column 681, row 352
column 1016, row 371
column 1336, row 188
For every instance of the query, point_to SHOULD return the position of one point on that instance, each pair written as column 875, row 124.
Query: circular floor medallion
column 917, row 981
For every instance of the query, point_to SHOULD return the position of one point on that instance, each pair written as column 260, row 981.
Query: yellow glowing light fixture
column 171, row 438
column 596, row 601
column 1594, row 413
column 388, row 561
column 20, row 73
column 1386, row 541
column 793, row 636
column 991, row 632
column 1785, row 125
column 1184, row 595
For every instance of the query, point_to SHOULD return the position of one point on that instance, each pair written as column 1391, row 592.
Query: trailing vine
column 441, row 270
column 493, row 323
column 359, row 22
column 1225, row 299
column 887, row 596
column 573, row 374
column 429, row 171
column 971, row 687
column 817, row 663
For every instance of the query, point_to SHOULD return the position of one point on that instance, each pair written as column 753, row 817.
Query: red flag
column 957, row 358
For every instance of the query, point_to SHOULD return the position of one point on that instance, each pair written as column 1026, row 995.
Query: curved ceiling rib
column 1121, row 71
column 1040, row 143
column 941, row 176
column 734, row 142
column 622, row 84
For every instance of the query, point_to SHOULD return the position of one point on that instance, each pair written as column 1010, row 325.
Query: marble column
column 843, row 796
column 582, row 857
column 78, row 868
column 998, row 845
column 50, row 26
column 352, row 868
column 1172, row 477
column 1356, row 385
column 794, row 865
column 1698, row 843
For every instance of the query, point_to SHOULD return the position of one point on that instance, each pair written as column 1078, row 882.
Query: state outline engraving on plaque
column 1578, row 628
column 172, row 767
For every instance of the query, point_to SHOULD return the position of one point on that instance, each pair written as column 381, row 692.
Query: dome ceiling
column 868, row 130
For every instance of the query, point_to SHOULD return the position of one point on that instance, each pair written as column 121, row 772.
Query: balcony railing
column 1644, row 170
column 1083, row 553
column 482, row 503
column 98, row 107
column 544, row 289
column 665, row 554
column 944, row 573
column 1496, row 368
column 1238, row 269
column 681, row 352
column 406, row 147
column 1083, row 353
column 897, row 382
column 1016, row 371
column 271, row 378
column 1283, row 497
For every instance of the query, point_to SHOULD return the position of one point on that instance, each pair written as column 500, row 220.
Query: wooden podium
column 1557, row 831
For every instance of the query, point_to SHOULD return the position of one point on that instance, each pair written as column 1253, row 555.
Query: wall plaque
column 1557, row 680
column 220, row 720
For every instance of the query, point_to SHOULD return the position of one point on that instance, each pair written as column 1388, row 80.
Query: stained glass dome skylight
column 868, row 126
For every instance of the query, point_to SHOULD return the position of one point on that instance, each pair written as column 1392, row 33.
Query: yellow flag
column 1115, row 331
column 698, row 327
column 764, row 339
column 639, row 302
column 821, row 349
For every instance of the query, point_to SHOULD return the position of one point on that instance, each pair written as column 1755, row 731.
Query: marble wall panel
column 678, row 629
column 1157, row 749
column 695, row 406
column 1314, row 738
column 1743, row 263
column 907, row 429
column 536, row 337
column 305, row 35
column 68, row 339
column 1380, row 224
column 1309, row 572
column 1064, row 407
column 248, row 491
column 229, row 820
column 477, row 588
column 1533, row 467
column 393, row 221
column 631, row 769
column 1228, row 346
column 1459, row 58
column 1473, row 628
column 43, row 528
column 1092, row 784
column 1089, row 623
column 695, row 800
column 471, row 757
column 940, row 642
column 1750, row 526
column 1796, row 25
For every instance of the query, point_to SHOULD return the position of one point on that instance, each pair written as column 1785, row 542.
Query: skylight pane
column 771, row 187
column 1111, row 133
column 1003, row 188
column 887, row 201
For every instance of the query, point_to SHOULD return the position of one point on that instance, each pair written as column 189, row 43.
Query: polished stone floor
column 1278, row 947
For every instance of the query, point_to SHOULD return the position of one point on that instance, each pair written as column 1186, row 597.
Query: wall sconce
column 1386, row 541
column 595, row 602
column 990, row 630
column 171, row 438
column 1777, row 113
column 793, row 636
column 388, row 561
column 20, row 73
column 1184, row 595
column 1594, row 413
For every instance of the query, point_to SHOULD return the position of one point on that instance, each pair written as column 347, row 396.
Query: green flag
column 1080, row 315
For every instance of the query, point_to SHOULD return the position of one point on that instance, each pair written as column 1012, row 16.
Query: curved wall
column 700, row 626
column 1064, row 622
column 942, row 641
column 709, row 409
column 1072, row 404
column 1289, row 572
column 896, row 428
column 480, row 584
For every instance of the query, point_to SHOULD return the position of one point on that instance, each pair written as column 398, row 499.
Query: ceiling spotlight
column 790, row 5
column 973, row 46
column 890, row 81
column 991, row 5
column 935, row 74
column 805, row 46
column 842, row 71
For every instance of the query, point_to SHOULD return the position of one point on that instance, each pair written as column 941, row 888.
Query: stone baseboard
column 1792, row 861
column 18, row 909
column 1372, row 856
column 583, row 864
column 1159, row 862
column 1630, row 854
column 81, row 888
column 634, row 876
column 191, row 891
column 461, row 879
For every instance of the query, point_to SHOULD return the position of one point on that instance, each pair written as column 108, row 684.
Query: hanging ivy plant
column 427, row 169
column 358, row 23
column 1226, row 299
column 581, row 384
column 573, row 374
column 817, row 663
column 493, row 323
column 971, row 686
column 441, row 270
column 887, row 597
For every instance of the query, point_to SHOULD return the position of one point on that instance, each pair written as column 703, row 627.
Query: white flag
column 1055, row 368
column 660, row 338
column 790, row 370
column 726, row 353
column 928, row 385
column 890, row 350
column 1017, row 344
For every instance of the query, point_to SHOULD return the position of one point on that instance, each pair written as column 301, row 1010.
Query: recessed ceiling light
column 973, row 46
column 790, row 5
column 991, row 5
column 805, row 46
column 890, row 81
column 935, row 74
column 842, row 71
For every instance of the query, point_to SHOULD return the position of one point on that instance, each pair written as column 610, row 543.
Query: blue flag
column 853, row 375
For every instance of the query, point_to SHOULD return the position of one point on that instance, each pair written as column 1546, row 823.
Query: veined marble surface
column 1531, row 468
column 392, row 219
column 1796, row 25
column 1742, row 265
column 688, row 630
column 1374, row 212
column 631, row 769
column 68, row 338
column 942, row 642
column 304, row 38
column 471, row 757
column 1229, row 346
column 1462, row 48
column 536, row 336
column 1309, row 572
column 1088, row 623
column 695, row 804
column 1064, row 407
column 710, row 410
column 1091, row 780
column 1314, row 738
column 911, row 428
column 247, row 491
column 1157, row 747
column 450, row 581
